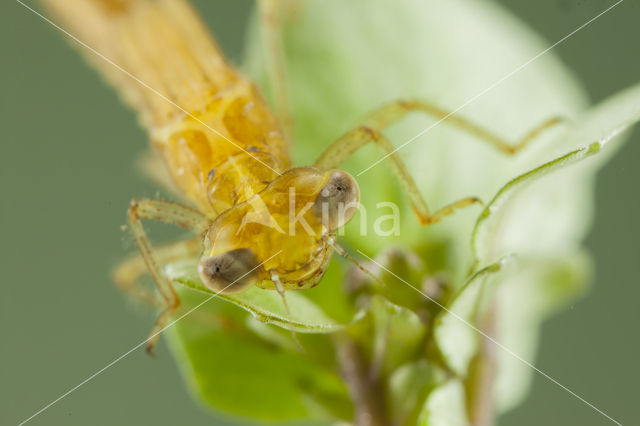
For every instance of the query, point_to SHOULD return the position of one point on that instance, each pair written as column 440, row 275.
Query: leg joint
column 134, row 205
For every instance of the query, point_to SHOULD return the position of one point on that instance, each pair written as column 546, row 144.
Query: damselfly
column 227, row 153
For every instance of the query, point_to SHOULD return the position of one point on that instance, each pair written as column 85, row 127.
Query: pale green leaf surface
column 535, row 214
column 609, row 117
column 408, row 386
column 454, row 330
column 533, row 290
column 489, row 231
column 551, row 272
column 445, row 406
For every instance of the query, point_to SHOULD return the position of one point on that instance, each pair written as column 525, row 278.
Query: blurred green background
column 67, row 164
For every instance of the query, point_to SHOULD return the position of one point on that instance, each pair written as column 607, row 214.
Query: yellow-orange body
column 237, row 180
column 262, row 221
column 217, row 138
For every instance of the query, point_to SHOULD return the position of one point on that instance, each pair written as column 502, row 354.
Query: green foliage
column 454, row 331
column 238, row 371
column 445, row 406
column 502, row 269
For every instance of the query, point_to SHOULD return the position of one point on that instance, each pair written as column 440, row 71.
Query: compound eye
column 230, row 272
column 338, row 200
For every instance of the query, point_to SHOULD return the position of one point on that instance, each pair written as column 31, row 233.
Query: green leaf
column 397, row 332
column 455, row 331
column 445, row 406
column 533, row 214
column 542, row 216
column 489, row 231
column 603, row 121
column 408, row 386
column 266, row 305
column 231, row 369
column 533, row 290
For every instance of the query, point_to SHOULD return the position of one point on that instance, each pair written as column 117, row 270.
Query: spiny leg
column 168, row 212
column 370, row 131
column 396, row 111
column 346, row 145
column 128, row 273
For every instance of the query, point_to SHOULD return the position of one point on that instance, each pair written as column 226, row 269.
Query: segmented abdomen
column 215, row 133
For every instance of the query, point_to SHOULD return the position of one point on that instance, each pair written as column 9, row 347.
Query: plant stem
column 366, row 390
column 480, row 383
